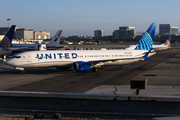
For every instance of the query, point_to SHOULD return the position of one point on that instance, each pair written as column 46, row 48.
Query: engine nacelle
column 81, row 66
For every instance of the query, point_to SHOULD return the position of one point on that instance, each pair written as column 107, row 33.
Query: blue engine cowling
column 81, row 66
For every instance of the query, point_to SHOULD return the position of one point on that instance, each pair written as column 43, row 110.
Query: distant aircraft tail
column 56, row 39
column 7, row 40
column 168, row 41
column 74, row 48
column 146, row 41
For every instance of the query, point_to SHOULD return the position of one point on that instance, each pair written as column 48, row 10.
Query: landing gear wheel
column 95, row 69
column 23, row 72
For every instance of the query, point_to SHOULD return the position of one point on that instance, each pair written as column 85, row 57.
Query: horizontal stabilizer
column 148, row 59
column 146, row 55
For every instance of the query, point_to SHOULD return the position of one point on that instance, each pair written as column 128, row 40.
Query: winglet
column 74, row 48
column 146, row 55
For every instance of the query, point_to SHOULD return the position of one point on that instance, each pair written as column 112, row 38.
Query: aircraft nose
column 10, row 62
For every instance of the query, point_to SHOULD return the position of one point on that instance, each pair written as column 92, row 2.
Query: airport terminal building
column 41, row 35
column 24, row 33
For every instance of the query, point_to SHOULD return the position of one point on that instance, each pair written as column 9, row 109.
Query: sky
column 82, row 17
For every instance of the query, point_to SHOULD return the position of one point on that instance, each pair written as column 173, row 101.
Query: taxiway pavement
column 163, row 77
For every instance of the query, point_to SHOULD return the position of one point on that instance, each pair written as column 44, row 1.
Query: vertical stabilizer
column 7, row 40
column 168, row 41
column 56, row 39
column 146, row 41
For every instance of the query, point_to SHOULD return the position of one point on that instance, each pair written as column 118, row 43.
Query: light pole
column 8, row 21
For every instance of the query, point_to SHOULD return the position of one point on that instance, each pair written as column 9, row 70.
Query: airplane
column 52, row 45
column 6, row 48
column 6, row 42
column 165, row 45
column 84, row 60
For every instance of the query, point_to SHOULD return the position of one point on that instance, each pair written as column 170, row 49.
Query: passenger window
column 17, row 57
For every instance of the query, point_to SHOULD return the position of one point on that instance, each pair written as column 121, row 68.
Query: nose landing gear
column 22, row 70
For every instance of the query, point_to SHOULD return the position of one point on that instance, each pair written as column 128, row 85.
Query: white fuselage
column 33, row 46
column 162, row 46
column 54, row 58
column 154, row 47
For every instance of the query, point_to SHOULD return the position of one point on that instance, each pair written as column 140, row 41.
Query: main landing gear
column 95, row 69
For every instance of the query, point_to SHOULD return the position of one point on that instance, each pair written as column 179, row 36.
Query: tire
column 95, row 69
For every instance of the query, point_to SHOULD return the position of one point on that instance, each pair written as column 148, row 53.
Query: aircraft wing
column 49, row 47
column 101, row 62
column 18, row 50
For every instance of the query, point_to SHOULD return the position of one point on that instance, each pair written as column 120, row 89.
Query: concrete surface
column 163, row 81
column 167, row 118
column 126, row 90
column 122, row 104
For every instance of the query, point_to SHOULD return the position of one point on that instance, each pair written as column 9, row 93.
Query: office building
column 167, row 29
column 164, row 29
column 125, row 32
column 174, row 30
column 98, row 33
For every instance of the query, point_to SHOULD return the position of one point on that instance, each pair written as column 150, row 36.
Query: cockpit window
column 16, row 57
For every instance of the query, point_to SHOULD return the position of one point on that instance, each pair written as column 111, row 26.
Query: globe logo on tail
column 167, row 42
column 5, row 43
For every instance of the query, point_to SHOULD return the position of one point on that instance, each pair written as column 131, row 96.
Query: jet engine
column 81, row 66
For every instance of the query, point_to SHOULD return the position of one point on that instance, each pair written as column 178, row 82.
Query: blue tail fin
column 146, row 41
column 7, row 40
column 168, row 41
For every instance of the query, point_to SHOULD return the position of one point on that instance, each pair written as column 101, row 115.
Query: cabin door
column 29, row 58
